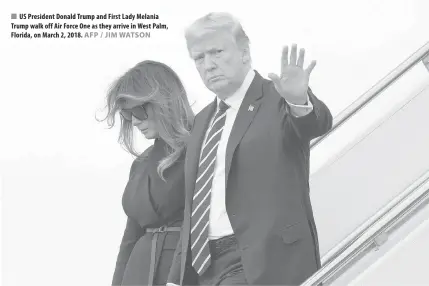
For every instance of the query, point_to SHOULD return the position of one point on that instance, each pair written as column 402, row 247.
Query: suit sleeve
column 314, row 124
column 131, row 235
column 190, row 276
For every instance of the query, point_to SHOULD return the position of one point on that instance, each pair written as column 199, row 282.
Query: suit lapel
column 245, row 115
column 193, row 151
column 195, row 144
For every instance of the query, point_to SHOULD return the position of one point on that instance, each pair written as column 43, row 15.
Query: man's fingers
column 300, row 62
column 285, row 59
column 310, row 67
column 293, row 55
column 294, row 60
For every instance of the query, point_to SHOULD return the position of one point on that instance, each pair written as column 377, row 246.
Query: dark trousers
column 225, row 267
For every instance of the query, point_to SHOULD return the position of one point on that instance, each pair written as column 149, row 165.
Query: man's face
column 219, row 62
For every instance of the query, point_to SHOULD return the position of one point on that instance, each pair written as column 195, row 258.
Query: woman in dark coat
column 151, row 97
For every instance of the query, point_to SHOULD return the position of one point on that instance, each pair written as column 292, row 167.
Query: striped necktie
column 203, row 187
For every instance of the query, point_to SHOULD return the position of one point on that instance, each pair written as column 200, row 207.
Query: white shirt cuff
column 299, row 110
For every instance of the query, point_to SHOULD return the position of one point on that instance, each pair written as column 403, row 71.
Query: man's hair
column 217, row 21
column 157, row 84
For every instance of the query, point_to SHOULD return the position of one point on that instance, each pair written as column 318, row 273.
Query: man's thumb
column 275, row 78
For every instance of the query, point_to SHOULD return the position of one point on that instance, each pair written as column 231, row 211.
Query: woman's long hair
column 155, row 83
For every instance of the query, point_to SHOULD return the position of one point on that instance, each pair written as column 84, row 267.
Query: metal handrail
column 391, row 214
column 354, row 245
column 374, row 91
column 334, row 252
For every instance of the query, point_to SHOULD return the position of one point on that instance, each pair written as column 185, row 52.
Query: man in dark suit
column 248, row 216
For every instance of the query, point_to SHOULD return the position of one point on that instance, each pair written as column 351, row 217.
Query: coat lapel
column 193, row 151
column 245, row 115
column 195, row 144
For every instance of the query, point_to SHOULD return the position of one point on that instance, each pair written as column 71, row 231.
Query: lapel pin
column 250, row 108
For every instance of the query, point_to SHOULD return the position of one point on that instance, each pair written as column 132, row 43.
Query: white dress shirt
column 219, row 224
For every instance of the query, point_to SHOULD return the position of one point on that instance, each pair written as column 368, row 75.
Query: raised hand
column 292, row 84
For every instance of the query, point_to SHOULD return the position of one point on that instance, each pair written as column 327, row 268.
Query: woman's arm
column 132, row 233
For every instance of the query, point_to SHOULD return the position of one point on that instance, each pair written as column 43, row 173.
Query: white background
column 63, row 173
